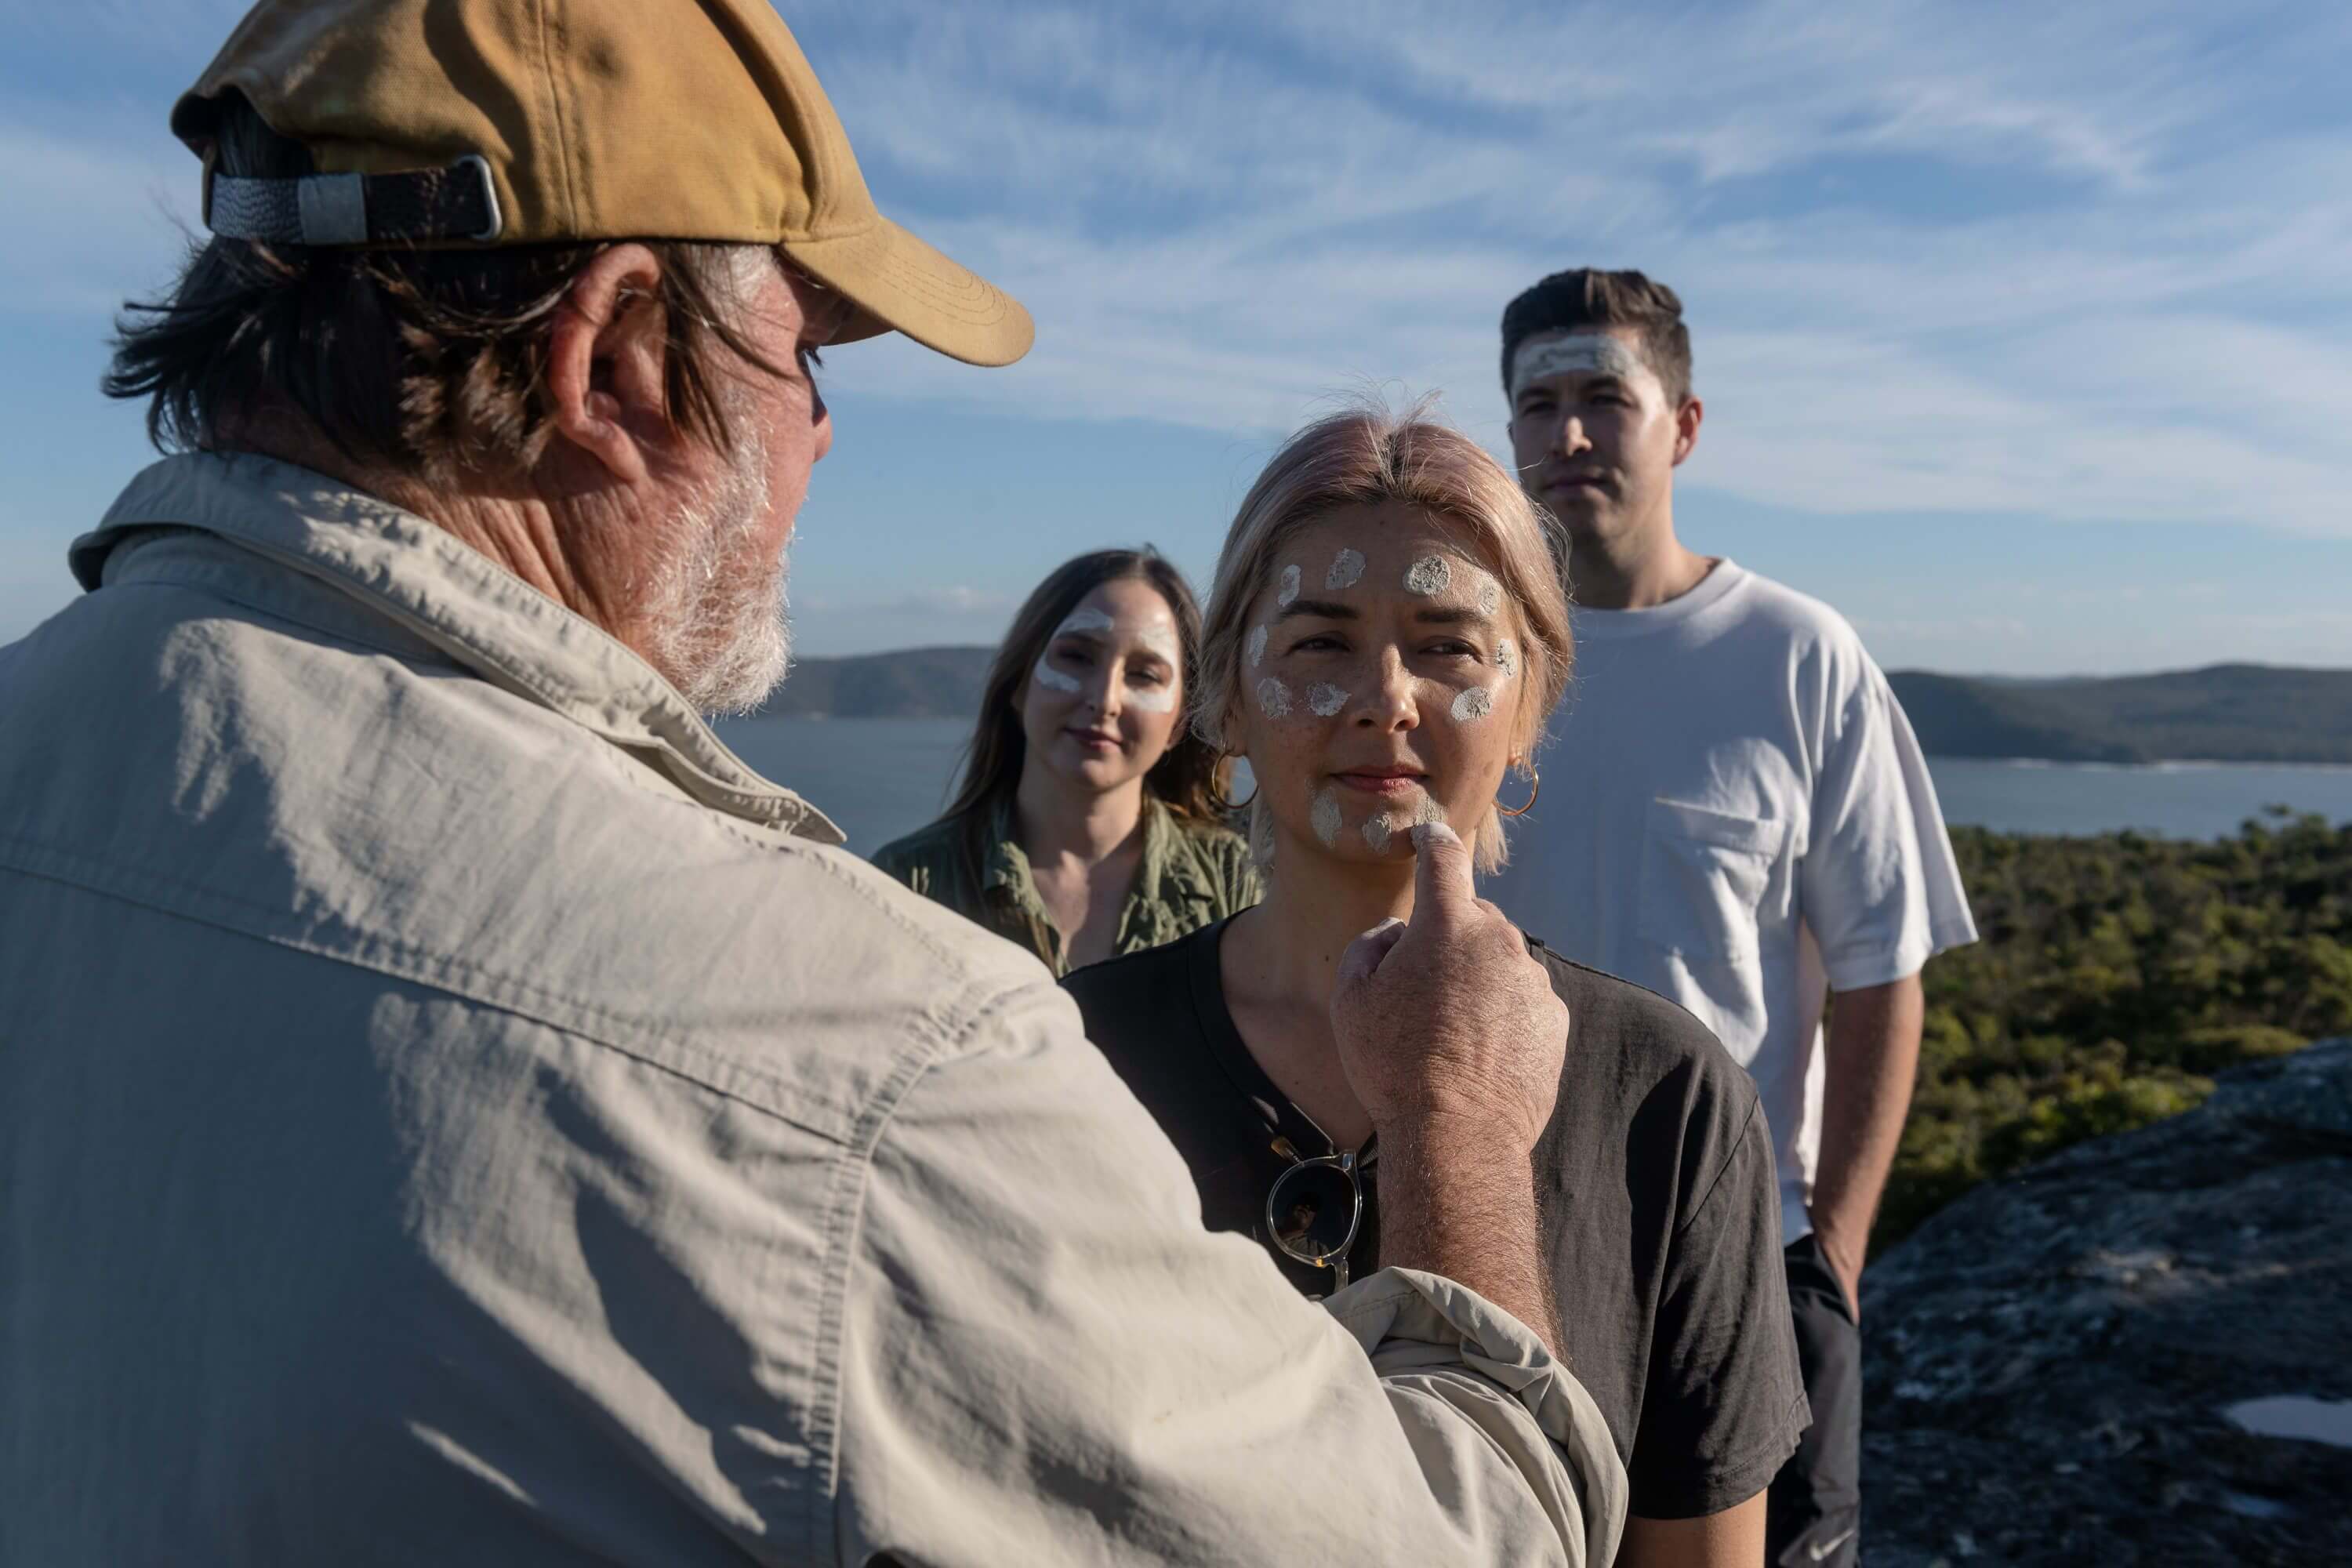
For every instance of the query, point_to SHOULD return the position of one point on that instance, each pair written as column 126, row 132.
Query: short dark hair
column 1589, row 296
column 427, row 363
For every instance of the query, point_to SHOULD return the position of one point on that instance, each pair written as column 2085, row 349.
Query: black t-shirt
column 1662, row 1216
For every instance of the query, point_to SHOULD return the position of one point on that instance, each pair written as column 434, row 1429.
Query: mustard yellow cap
column 695, row 120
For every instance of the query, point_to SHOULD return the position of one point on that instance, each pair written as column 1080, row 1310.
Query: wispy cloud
column 2061, row 261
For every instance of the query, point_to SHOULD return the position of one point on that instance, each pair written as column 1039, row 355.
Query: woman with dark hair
column 1090, row 822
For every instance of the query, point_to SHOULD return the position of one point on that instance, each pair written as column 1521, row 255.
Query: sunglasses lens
column 1313, row 1211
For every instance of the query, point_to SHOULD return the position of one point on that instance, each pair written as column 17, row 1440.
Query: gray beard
column 717, row 616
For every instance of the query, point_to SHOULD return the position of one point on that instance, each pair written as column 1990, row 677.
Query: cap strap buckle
column 420, row 205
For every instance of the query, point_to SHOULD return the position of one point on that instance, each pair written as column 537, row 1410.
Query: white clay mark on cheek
column 1289, row 585
column 1474, row 703
column 1152, row 699
column 1274, row 698
column 1378, row 831
column 1053, row 680
column 1257, row 646
column 1346, row 570
column 1428, row 575
column 1325, row 818
column 1584, row 353
column 1507, row 658
column 1326, row 699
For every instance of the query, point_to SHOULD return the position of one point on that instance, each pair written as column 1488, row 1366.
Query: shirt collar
column 422, row 578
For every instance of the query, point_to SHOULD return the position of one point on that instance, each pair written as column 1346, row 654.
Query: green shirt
column 1192, row 875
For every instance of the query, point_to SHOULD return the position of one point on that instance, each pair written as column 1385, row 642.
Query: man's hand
column 1453, row 1040
column 1450, row 1020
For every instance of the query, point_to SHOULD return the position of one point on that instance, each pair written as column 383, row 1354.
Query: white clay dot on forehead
column 1475, row 703
column 1507, row 658
column 1346, row 570
column 1326, row 699
column 1490, row 595
column 1273, row 697
column 1325, row 818
column 1257, row 646
column 1378, row 831
column 1289, row 590
column 1428, row 575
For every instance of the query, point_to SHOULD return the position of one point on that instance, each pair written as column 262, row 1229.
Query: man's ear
column 608, row 362
column 1686, row 423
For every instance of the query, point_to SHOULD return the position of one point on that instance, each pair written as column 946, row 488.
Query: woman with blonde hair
column 1090, row 821
column 1387, row 636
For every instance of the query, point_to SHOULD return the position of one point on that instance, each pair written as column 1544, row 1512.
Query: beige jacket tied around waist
column 451, row 1111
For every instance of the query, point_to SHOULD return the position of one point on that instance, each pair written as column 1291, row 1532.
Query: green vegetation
column 2116, row 975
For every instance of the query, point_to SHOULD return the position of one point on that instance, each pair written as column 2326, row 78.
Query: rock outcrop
column 2083, row 1363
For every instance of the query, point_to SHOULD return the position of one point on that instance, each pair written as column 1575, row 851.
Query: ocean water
column 881, row 777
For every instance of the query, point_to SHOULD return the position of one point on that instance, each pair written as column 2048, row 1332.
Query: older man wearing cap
column 451, row 1109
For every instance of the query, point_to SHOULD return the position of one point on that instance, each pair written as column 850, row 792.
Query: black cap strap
column 420, row 205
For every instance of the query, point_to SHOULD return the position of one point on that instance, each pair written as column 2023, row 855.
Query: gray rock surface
column 2049, row 1361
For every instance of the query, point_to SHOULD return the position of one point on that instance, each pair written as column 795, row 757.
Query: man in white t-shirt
column 1735, row 812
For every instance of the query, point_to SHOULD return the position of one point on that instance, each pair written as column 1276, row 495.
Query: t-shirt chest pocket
column 1705, row 878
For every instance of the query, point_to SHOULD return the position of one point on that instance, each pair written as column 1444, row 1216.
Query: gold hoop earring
column 1243, row 805
column 1535, row 781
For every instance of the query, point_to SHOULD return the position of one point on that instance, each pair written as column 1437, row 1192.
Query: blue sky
column 2025, row 331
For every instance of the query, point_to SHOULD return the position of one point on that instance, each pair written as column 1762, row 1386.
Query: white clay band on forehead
column 1579, row 353
column 1085, row 620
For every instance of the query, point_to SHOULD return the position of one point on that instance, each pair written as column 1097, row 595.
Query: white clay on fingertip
column 1326, row 699
column 1475, row 703
column 1507, row 658
column 1378, row 831
column 1325, row 818
column 1428, row 575
column 1289, row 585
column 1274, row 698
column 1346, row 570
column 1053, row 680
column 1257, row 646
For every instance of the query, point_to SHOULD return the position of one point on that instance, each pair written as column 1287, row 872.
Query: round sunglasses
column 1314, row 1209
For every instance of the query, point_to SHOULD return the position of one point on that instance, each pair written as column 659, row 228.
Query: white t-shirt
column 1735, row 815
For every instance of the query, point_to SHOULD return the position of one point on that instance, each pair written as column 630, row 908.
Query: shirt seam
column 414, row 963
column 1755, row 1108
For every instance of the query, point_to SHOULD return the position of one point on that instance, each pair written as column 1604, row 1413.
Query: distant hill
column 2227, row 712
column 912, row 683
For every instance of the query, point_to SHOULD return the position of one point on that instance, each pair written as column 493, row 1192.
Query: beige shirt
column 452, row 1111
